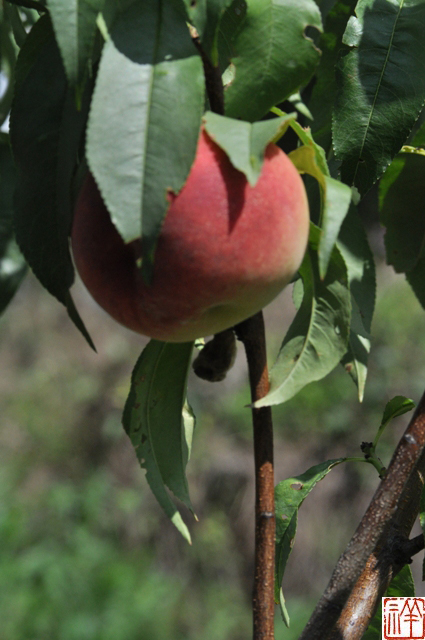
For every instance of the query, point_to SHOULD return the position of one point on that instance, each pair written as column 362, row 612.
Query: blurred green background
column 85, row 551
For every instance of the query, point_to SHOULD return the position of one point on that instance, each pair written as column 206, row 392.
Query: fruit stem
column 252, row 333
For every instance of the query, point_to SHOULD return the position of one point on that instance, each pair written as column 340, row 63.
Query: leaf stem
column 252, row 333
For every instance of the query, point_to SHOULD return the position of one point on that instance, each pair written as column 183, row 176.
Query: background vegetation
column 85, row 551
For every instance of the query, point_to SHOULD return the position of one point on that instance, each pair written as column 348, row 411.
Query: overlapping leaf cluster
column 119, row 88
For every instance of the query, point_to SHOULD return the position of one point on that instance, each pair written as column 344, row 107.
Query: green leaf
column 283, row 610
column 145, row 118
column 273, row 57
column 416, row 279
column 336, row 198
column 381, row 87
column 245, row 143
column 206, row 16
column 323, row 95
column 160, row 424
column 13, row 16
column 304, row 134
column 36, row 127
column 317, row 338
column 397, row 406
column 402, row 194
column 354, row 247
column 296, row 100
column 74, row 23
column 231, row 22
column 289, row 496
column 402, row 586
column 12, row 264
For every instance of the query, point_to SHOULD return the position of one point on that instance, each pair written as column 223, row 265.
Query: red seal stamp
column 403, row 618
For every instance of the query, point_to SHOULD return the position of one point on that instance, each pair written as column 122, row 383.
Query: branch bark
column 251, row 332
column 372, row 556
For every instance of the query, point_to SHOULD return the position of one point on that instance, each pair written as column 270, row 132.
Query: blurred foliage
column 86, row 553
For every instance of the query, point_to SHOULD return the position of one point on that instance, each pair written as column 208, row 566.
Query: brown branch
column 251, row 332
column 213, row 80
column 369, row 562
column 410, row 548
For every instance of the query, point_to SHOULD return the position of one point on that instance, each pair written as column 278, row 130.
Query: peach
column 226, row 249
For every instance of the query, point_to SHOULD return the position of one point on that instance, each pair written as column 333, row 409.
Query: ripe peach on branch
column 226, row 248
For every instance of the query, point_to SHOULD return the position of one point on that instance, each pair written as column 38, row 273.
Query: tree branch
column 251, row 332
column 370, row 560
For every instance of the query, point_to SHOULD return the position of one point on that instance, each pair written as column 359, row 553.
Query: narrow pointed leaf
column 245, row 143
column 381, row 87
column 36, row 125
column 283, row 610
column 74, row 23
column 289, row 496
column 273, row 57
column 317, row 338
column 397, row 406
column 354, row 247
column 142, row 136
column 336, row 198
column 160, row 424
column 296, row 100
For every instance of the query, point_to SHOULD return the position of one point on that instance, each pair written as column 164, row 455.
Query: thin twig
column 411, row 547
column 251, row 332
column 368, row 564
column 213, row 80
